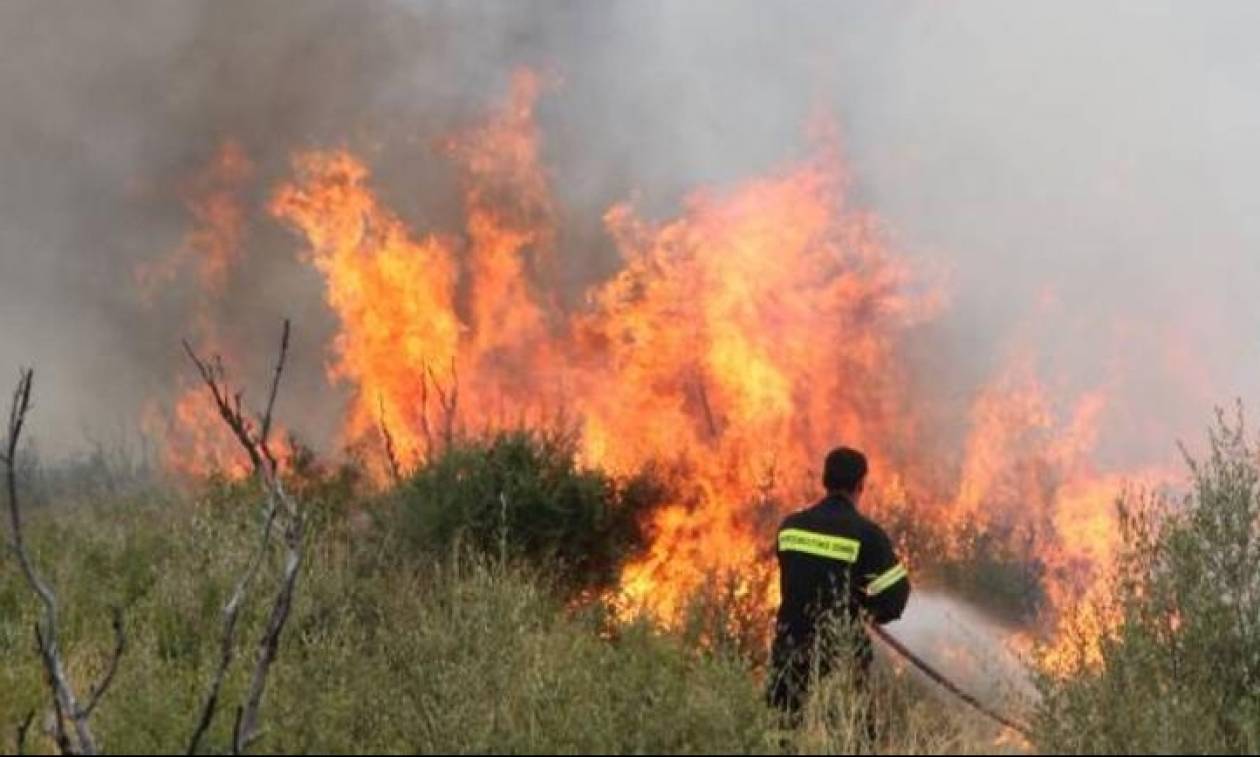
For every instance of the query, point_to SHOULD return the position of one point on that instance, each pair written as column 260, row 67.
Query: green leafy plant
column 523, row 495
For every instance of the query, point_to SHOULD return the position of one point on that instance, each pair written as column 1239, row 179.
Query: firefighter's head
column 845, row 473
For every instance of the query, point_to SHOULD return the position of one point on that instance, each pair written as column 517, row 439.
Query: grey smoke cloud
column 1085, row 172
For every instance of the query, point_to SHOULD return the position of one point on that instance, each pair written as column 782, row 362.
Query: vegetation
column 995, row 568
column 991, row 565
column 523, row 495
column 460, row 611
column 402, row 644
column 1179, row 671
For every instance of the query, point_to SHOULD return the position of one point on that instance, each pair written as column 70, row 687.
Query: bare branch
column 703, row 394
column 59, row 714
column 275, row 386
column 237, row 747
column 227, row 644
column 22, row 729
column 269, row 646
column 448, row 402
column 17, row 419
column 279, row 503
column 229, row 406
column 424, row 416
column 46, row 635
column 120, row 646
column 391, row 452
column 453, row 408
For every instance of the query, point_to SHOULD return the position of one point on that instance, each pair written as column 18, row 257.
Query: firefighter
column 837, row 570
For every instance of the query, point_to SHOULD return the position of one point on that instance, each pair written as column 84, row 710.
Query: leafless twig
column 59, row 715
column 424, row 416
column 275, row 388
column 23, row 727
column 120, row 646
column 46, row 636
column 227, row 642
column 448, row 402
column 709, row 420
column 391, row 452
column 236, row 730
column 270, row 643
column 280, row 505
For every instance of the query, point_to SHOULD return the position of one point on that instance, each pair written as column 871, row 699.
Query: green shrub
column 1179, row 671
column 523, row 495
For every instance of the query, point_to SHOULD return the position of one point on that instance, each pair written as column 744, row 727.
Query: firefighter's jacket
column 832, row 559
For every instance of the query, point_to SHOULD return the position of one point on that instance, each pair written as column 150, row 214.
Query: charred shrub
column 523, row 496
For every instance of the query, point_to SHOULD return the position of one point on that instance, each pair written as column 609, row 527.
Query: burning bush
column 524, row 495
column 989, row 568
column 1179, row 668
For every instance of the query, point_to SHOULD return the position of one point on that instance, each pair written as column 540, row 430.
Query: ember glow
column 764, row 323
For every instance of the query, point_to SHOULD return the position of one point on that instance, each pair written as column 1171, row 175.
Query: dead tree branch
column 264, row 437
column 227, row 643
column 23, row 727
column 280, row 506
column 269, row 646
column 58, row 726
column 424, row 416
column 703, row 395
column 46, row 631
column 448, row 402
column 391, row 451
column 120, row 646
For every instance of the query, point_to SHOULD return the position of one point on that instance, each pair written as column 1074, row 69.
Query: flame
column 192, row 438
column 741, row 339
column 393, row 294
column 213, row 199
column 193, row 441
column 745, row 337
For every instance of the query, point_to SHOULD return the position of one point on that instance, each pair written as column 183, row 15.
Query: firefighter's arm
column 885, row 583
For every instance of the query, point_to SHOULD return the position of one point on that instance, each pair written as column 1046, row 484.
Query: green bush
column 523, row 496
column 383, row 652
column 1179, row 671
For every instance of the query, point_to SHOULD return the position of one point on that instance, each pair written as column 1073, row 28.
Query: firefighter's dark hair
column 844, row 470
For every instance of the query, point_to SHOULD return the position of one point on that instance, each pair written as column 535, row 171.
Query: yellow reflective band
column 819, row 545
column 887, row 580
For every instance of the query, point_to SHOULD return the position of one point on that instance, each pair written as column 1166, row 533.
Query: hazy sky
column 1085, row 172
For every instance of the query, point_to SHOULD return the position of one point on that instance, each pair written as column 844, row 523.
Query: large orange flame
column 766, row 323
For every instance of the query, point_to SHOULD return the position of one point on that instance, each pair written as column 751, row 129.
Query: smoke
column 1083, row 175
column 968, row 648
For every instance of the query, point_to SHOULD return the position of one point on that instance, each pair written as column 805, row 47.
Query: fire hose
column 945, row 683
